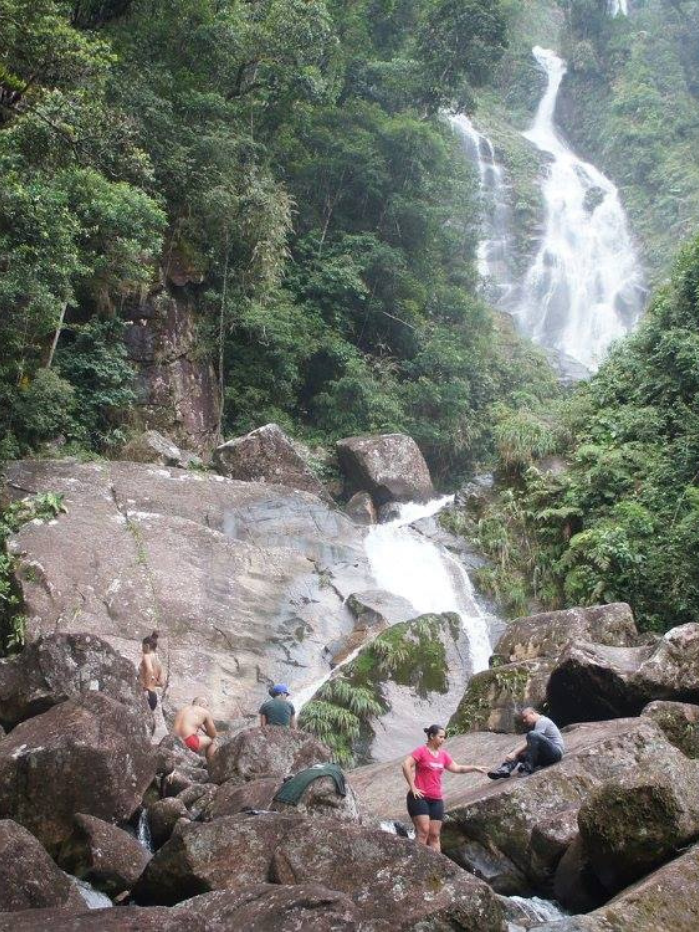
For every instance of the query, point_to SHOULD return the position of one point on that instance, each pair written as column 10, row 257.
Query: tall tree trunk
column 57, row 334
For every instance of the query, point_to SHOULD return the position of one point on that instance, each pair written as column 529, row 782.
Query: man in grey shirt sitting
column 544, row 746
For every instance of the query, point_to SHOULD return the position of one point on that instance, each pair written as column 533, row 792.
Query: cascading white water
column 537, row 909
column 407, row 564
column 585, row 287
column 618, row 7
column 495, row 250
column 92, row 898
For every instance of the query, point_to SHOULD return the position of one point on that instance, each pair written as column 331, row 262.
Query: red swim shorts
column 192, row 742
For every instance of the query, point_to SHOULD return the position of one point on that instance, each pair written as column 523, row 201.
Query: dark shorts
column 434, row 808
column 152, row 699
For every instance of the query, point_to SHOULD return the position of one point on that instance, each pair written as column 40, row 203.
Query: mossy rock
column 494, row 697
column 679, row 722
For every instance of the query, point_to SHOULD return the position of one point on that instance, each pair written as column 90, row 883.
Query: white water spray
column 585, row 287
column 618, row 7
column 495, row 250
column 431, row 579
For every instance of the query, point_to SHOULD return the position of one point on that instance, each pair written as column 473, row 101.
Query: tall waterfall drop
column 585, row 287
column 495, row 250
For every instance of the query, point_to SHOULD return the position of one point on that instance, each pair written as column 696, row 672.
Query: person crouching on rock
column 423, row 771
column 190, row 721
column 150, row 671
column 278, row 710
column 544, row 746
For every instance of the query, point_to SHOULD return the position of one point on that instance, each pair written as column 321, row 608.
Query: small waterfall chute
column 94, row 899
column 618, row 7
column 143, row 832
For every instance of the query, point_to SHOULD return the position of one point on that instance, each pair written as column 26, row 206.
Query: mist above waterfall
column 584, row 288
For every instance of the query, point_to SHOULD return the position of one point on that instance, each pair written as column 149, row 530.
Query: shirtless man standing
column 150, row 671
column 190, row 721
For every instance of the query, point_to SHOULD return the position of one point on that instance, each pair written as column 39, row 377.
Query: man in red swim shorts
column 190, row 721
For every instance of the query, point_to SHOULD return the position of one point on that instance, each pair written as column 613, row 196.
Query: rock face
column 177, row 388
column 30, row 878
column 389, row 466
column 638, row 820
column 493, row 697
column 549, row 633
column 271, row 751
column 104, row 855
column 153, row 447
column 361, row 508
column 594, row 682
column 267, row 455
column 392, row 882
column 88, row 755
column 65, row 666
column 679, row 722
column 246, row 582
column 665, row 901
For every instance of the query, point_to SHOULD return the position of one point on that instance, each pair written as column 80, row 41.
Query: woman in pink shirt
column 423, row 771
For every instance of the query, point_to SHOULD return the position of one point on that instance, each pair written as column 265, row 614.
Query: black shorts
column 434, row 808
column 152, row 697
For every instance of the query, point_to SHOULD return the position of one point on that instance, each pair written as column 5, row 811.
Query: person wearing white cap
column 278, row 710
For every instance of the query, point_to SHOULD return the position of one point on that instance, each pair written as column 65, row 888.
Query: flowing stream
column 537, row 910
column 619, row 7
column 585, row 287
column 495, row 250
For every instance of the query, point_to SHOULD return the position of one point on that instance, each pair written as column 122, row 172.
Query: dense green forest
column 621, row 522
column 293, row 152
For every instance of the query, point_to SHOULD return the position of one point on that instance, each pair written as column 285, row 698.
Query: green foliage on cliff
column 622, row 521
column 293, row 153
column 630, row 102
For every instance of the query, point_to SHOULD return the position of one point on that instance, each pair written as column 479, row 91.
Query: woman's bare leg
column 422, row 828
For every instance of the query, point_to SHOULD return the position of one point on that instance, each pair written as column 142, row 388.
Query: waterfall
column 495, row 249
column 584, row 288
column 143, row 832
column 618, row 7
column 407, row 564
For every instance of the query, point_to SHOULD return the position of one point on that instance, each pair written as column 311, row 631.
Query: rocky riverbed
column 248, row 581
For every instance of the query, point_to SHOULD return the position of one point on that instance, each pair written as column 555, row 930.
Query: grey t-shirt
column 278, row 711
column 550, row 730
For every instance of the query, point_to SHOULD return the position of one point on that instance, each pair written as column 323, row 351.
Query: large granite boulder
column 85, row 755
column 679, row 722
column 269, row 751
column 390, row 467
column 549, row 633
column 665, row 901
column 267, row 455
column 494, row 697
column 65, row 666
column 640, row 819
column 229, row 853
column 393, row 882
column 163, row 816
column 109, row 858
column 245, row 581
column 30, row 879
column 259, row 908
column 591, row 681
column 234, row 797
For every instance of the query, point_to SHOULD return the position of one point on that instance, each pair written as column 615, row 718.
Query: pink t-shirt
column 429, row 769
